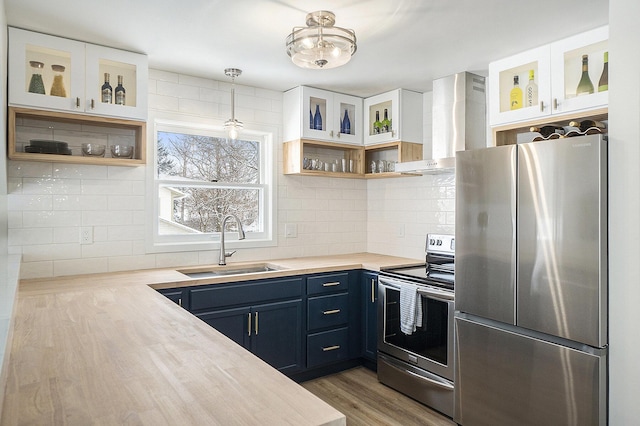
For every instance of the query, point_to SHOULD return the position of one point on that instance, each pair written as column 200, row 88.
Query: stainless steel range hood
column 459, row 122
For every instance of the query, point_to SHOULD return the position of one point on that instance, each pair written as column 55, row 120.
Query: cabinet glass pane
column 573, row 67
column 507, row 78
column 317, row 106
column 116, row 69
column 347, row 117
column 376, row 111
column 47, row 71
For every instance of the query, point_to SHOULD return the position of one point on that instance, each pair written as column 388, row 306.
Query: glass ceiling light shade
column 320, row 45
column 233, row 125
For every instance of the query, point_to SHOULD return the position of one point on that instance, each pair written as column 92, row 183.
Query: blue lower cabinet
column 370, row 315
column 327, row 347
column 272, row 331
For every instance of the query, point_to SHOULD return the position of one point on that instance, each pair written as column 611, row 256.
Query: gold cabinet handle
column 373, row 290
column 541, row 106
column 331, row 284
column 256, row 329
column 333, row 311
column 77, row 102
column 555, row 103
column 330, row 348
column 93, row 103
column 249, row 323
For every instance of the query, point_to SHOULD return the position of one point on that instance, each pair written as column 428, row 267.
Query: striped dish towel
column 410, row 308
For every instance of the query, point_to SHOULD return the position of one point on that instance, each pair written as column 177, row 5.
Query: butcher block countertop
column 109, row 349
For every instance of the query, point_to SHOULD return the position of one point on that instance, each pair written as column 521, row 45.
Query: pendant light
column 233, row 125
column 320, row 45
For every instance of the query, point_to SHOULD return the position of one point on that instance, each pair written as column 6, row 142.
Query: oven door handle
column 444, row 296
column 438, row 383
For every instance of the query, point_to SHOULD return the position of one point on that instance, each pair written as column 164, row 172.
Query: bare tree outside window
column 213, row 177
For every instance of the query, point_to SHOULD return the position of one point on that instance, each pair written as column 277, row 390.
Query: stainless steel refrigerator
column 531, row 284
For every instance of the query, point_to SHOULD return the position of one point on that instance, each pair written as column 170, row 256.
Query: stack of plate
column 48, row 147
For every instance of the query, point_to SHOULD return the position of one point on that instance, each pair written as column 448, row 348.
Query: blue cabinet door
column 277, row 334
column 236, row 324
column 369, row 317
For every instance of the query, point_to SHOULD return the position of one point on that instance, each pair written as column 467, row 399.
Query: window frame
column 178, row 123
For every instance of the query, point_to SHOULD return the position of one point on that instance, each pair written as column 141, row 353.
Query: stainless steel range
column 416, row 326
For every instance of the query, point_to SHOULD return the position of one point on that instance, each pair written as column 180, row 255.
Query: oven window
column 430, row 340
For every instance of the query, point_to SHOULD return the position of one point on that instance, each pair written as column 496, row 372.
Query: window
column 200, row 177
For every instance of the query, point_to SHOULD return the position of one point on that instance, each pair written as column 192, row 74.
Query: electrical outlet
column 400, row 231
column 86, row 235
column 290, row 230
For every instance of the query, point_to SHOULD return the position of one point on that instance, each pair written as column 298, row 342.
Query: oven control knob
column 432, row 241
column 439, row 243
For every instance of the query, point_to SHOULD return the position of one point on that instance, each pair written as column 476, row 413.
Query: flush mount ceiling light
column 233, row 125
column 320, row 45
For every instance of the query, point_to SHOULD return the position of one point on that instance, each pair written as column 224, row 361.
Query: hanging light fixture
column 233, row 125
column 320, row 45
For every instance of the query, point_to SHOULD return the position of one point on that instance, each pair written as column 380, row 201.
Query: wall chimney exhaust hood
column 459, row 123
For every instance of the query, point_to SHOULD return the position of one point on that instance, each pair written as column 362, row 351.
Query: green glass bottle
column 585, row 86
column 603, row 84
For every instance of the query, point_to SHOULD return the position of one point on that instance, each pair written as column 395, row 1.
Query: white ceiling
column 401, row 43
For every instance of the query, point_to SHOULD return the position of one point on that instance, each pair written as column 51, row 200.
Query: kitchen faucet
column 223, row 253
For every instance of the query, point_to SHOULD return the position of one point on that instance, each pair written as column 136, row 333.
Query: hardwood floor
column 367, row 402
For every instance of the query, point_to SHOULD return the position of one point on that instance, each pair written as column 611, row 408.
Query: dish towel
column 410, row 308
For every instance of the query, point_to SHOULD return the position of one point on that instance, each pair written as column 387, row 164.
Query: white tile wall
column 50, row 202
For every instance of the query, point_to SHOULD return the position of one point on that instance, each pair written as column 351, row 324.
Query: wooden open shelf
column 73, row 128
column 399, row 152
column 295, row 151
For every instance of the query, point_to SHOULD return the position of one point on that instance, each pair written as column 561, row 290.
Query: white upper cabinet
column 322, row 115
column 556, row 69
column 403, row 120
column 54, row 73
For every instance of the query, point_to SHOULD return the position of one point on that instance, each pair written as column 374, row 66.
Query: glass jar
column 57, row 88
column 36, row 85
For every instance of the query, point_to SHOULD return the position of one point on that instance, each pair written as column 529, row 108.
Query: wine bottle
column 310, row 119
column 317, row 119
column 515, row 96
column 377, row 125
column 603, row 84
column 585, row 125
column 531, row 91
column 386, row 123
column 548, row 131
column 346, row 123
column 585, row 86
column 107, row 91
column 120, row 92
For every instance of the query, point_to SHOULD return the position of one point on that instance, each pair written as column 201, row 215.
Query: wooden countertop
column 109, row 349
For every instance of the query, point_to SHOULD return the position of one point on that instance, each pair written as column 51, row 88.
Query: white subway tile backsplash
column 106, row 249
column 80, row 266
column 40, row 252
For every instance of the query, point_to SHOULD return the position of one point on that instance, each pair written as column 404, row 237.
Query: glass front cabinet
column 316, row 114
column 392, row 117
column 544, row 81
column 54, row 73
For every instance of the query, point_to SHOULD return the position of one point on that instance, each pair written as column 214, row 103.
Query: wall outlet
column 400, row 231
column 86, row 235
column 290, row 230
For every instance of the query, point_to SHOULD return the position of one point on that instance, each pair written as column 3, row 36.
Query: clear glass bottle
column 585, row 86
column 57, row 88
column 531, row 91
column 106, row 90
column 120, row 92
column 36, row 84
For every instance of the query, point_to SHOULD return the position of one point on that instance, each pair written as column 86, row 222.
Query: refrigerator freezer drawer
column 507, row 378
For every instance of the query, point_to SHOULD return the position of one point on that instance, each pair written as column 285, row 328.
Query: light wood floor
column 365, row 401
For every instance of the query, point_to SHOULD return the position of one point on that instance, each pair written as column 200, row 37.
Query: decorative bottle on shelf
column 547, row 132
column 346, row 123
column 603, row 84
column 585, row 86
column 36, row 85
column 377, row 125
column 57, row 87
column 531, row 91
column 386, row 123
column 106, row 90
column 119, row 92
column 317, row 119
column 589, row 125
column 515, row 96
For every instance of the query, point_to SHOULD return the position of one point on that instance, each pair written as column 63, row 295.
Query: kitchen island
column 109, row 349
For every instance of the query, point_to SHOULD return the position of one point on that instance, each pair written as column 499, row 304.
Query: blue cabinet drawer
column 328, row 283
column 223, row 295
column 327, row 311
column 327, row 347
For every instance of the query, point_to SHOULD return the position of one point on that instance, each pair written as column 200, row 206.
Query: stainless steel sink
column 218, row 271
